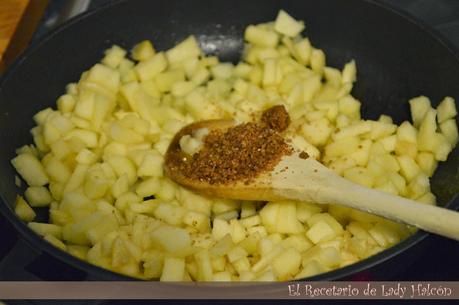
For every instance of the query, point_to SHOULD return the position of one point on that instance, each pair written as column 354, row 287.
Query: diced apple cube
column 287, row 25
column 182, row 88
column 389, row 143
column 23, row 210
column 238, row 232
column 143, row 51
column 120, row 186
column 30, row 169
column 123, row 166
column 87, row 137
column 387, row 161
column 298, row 242
column 242, row 265
column 386, row 186
column 184, row 50
column 301, row 144
column 406, row 148
column 378, row 236
column 317, row 60
column 151, row 166
column 261, row 37
column 385, row 119
column 287, row 221
column 446, row 110
column 170, row 238
column 55, row 242
column 223, row 276
column 125, row 200
column 57, row 170
column 220, row 228
column 359, row 246
column 250, row 244
column 266, row 259
column 218, row 263
column 113, row 56
column 204, row 266
column 342, row 164
column 359, row 175
column 41, row 116
column 104, row 76
column 419, row 107
column 419, row 186
column 349, row 73
column 223, row 70
column 38, row 196
column 194, row 202
column 173, row 270
column 305, row 210
column 223, row 246
column 442, row 147
column 313, row 267
column 287, row 263
column 427, row 129
column 362, row 154
column 426, row 162
column 399, row 182
column 269, row 214
column 236, row 253
column 230, row 215
column 153, row 265
column 320, row 231
column 406, row 132
column 330, row 257
column 151, row 67
column 427, row 198
column 311, row 86
column 381, row 130
column 197, row 220
column 170, row 213
column 78, row 251
column 45, row 229
column 349, row 106
column 449, row 130
column 250, row 221
column 125, row 135
column 354, row 130
column 332, row 222
column 96, row 184
column 333, row 77
column 303, row 50
column 342, row 147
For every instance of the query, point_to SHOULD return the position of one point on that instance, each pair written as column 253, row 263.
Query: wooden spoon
column 295, row 178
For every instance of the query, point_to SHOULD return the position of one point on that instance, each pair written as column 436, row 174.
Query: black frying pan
column 397, row 57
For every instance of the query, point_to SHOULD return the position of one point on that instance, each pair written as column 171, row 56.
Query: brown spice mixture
column 276, row 118
column 238, row 154
column 303, row 155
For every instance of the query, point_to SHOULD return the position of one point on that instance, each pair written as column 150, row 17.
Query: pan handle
column 13, row 265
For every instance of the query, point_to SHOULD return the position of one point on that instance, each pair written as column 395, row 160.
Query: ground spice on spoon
column 242, row 152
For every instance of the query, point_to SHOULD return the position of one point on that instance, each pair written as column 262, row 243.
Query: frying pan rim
column 34, row 239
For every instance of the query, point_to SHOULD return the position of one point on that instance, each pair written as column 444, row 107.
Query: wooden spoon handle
column 430, row 218
column 313, row 182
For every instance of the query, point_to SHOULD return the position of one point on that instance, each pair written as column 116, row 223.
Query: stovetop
column 440, row 264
